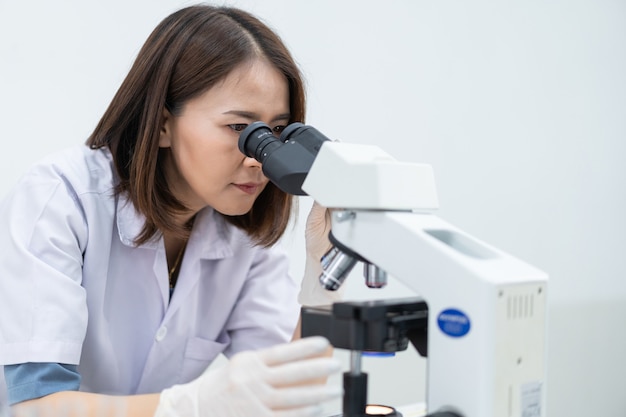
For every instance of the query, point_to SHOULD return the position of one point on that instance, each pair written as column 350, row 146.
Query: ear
column 165, row 134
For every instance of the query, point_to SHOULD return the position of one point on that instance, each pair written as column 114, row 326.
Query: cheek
column 209, row 158
column 202, row 144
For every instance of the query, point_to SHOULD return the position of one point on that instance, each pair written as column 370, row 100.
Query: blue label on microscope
column 453, row 322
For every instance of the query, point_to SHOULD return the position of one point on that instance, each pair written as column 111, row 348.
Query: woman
column 129, row 264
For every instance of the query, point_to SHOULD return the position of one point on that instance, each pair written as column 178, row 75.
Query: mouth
column 249, row 188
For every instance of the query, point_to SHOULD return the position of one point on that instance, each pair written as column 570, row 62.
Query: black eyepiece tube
column 286, row 161
column 254, row 138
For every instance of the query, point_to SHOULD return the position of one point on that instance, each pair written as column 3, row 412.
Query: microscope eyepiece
column 255, row 138
column 287, row 159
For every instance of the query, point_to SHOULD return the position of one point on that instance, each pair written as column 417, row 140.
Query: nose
column 251, row 162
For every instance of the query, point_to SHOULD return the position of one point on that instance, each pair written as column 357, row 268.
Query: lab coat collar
column 211, row 234
column 130, row 222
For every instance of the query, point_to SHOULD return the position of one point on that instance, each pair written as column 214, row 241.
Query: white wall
column 519, row 106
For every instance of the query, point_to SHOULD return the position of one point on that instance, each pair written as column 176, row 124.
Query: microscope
column 481, row 316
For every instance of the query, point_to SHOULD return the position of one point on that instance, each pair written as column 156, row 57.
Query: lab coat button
column 160, row 335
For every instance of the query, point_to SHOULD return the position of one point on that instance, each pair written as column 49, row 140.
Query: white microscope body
column 487, row 309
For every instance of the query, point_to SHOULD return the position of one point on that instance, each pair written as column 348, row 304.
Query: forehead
column 258, row 71
column 250, row 86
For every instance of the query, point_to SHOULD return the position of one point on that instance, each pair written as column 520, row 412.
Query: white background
column 520, row 107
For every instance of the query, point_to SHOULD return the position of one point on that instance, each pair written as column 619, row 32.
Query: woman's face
column 205, row 166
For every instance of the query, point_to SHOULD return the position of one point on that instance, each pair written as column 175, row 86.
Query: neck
column 174, row 244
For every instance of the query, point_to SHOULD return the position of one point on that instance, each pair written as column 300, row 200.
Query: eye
column 277, row 130
column 238, row 127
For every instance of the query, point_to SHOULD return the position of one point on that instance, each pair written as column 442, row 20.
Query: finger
column 317, row 206
column 302, row 371
column 307, row 347
column 320, row 212
column 295, row 397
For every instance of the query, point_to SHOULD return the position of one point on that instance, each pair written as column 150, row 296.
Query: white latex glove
column 317, row 244
column 273, row 382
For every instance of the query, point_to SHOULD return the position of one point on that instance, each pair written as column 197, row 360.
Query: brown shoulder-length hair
column 187, row 53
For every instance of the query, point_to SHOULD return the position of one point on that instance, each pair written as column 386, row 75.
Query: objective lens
column 374, row 276
column 336, row 265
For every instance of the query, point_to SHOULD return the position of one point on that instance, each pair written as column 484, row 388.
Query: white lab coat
column 74, row 289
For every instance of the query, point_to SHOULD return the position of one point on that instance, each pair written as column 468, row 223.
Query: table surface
column 413, row 410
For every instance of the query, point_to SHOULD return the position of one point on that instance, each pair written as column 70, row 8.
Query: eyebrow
column 254, row 116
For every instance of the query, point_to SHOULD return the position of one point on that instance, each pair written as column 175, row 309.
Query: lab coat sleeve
column 43, row 233
column 267, row 310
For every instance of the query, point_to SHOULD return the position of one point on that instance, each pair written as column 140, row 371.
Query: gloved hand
column 273, row 382
column 317, row 244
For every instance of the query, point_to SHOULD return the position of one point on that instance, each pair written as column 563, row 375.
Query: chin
column 233, row 211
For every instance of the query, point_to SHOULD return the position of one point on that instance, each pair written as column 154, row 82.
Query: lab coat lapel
column 208, row 241
column 129, row 225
